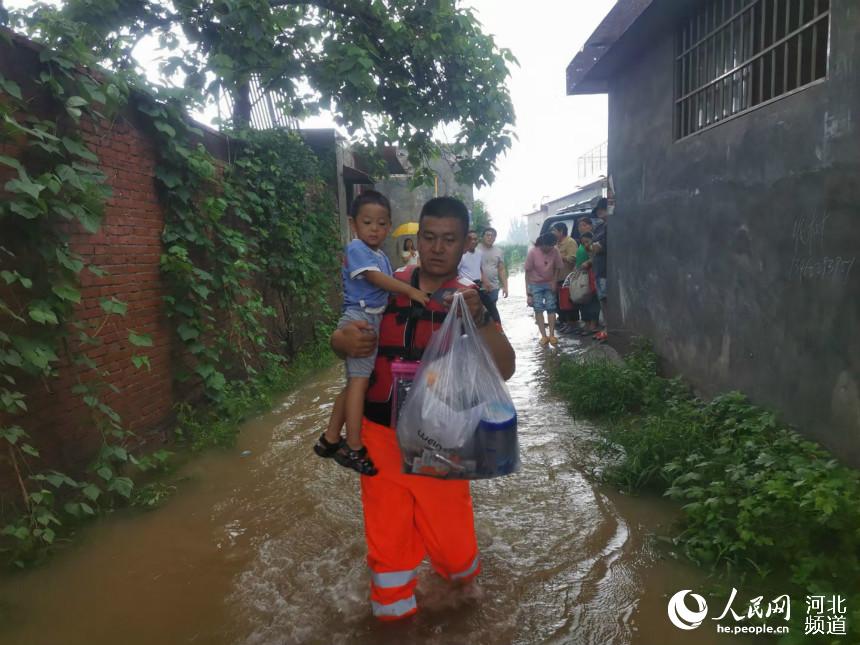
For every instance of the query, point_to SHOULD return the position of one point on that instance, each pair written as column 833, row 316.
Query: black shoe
column 325, row 449
column 355, row 459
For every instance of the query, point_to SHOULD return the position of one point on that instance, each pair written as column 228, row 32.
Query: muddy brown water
column 268, row 549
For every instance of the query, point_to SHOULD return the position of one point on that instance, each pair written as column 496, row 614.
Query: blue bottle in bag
column 496, row 449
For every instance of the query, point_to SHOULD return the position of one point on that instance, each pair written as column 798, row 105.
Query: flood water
column 268, row 549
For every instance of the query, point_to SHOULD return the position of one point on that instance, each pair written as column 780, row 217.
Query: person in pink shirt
column 543, row 262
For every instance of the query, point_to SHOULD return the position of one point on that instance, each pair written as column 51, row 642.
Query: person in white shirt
column 470, row 263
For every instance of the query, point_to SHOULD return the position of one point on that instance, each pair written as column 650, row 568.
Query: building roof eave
column 581, row 76
column 356, row 176
column 629, row 27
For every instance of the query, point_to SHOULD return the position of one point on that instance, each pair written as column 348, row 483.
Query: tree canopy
column 481, row 219
column 390, row 71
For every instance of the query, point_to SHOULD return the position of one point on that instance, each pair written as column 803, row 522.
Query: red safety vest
column 446, row 530
column 404, row 333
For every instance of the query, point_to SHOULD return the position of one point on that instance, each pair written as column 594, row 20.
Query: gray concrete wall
column 406, row 202
column 736, row 249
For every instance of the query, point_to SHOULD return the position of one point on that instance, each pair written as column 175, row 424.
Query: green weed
column 152, row 495
column 217, row 424
column 756, row 496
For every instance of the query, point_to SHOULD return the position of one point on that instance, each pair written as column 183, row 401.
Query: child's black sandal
column 355, row 459
column 325, row 449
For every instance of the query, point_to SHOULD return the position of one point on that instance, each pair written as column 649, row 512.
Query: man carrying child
column 406, row 516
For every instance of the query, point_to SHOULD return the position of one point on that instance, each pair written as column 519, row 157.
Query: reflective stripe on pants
column 396, row 610
column 392, row 578
column 407, row 517
column 468, row 573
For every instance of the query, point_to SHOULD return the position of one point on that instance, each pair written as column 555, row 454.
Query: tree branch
column 20, row 479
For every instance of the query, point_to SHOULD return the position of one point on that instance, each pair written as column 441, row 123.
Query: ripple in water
column 550, row 544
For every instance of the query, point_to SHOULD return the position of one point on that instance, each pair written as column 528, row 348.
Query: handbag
column 581, row 286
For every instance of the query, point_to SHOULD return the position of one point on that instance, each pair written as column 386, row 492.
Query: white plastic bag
column 580, row 286
column 458, row 421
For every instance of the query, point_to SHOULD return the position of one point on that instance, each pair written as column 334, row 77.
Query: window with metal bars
column 733, row 55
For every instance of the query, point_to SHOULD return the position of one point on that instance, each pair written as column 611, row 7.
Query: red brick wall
column 128, row 246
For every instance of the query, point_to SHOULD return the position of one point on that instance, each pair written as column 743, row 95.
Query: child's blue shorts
column 360, row 367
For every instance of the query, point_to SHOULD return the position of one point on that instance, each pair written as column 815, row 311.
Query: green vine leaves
column 236, row 231
column 53, row 184
column 391, row 72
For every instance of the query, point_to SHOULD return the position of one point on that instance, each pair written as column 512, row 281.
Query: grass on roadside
column 755, row 495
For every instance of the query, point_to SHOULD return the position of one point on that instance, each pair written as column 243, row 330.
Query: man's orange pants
column 407, row 517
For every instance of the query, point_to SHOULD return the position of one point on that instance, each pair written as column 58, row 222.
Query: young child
column 584, row 261
column 367, row 282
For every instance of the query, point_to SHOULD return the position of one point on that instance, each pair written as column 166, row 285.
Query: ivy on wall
column 247, row 242
column 55, row 185
column 263, row 223
column 276, row 185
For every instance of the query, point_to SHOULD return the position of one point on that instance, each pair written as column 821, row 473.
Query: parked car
column 571, row 215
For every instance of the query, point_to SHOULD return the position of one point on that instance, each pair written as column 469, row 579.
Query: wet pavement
column 268, row 549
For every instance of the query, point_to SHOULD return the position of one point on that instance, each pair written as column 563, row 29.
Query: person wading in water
column 405, row 516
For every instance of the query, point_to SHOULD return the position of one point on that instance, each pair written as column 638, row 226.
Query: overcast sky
column 553, row 129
